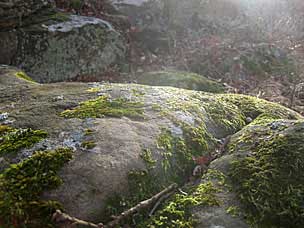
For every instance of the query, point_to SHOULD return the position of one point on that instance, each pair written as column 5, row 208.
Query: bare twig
column 161, row 199
column 140, row 206
column 69, row 221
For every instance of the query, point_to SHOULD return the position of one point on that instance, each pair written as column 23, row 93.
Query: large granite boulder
column 260, row 178
column 129, row 141
column 63, row 47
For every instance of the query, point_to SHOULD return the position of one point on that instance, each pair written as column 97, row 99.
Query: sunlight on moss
column 12, row 140
column 176, row 212
column 104, row 106
column 24, row 76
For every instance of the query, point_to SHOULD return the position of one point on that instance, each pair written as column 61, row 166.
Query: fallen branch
column 68, row 221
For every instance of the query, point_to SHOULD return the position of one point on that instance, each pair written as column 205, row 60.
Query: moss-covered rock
column 140, row 156
column 181, row 80
column 268, row 175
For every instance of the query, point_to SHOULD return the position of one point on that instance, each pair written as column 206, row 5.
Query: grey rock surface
column 61, row 51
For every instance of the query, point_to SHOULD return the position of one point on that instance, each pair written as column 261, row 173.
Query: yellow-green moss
column 93, row 90
column 253, row 107
column 104, row 106
column 21, row 186
column 233, row 211
column 14, row 140
column 24, row 76
column 270, row 180
column 146, row 155
column 4, row 129
column 231, row 110
column 177, row 156
column 88, row 144
column 177, row 211
column 88, row 132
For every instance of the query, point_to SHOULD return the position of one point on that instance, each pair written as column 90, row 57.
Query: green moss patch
column 88, row 144
column 177, row 211
column 181, row 80
column 24, row 76
column 12, row 140
column 103, row 106
column 253, row 107
column 231, row 110
column 270, row 179
column 146, row 155
column 178, row 153
column 21, row 186
column 4, row 129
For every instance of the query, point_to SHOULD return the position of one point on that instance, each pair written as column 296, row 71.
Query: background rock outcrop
column 13, row 12
column 54, row 46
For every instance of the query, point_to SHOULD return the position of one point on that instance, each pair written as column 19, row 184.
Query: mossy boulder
column 56, row 46
column 183, row 80
column 258, row 182
column 129, row 141
column 267, row 173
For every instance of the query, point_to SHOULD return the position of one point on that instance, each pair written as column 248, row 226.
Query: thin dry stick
column 161, row 199
column 62, row 218
column 140, row 206
column 69, row 221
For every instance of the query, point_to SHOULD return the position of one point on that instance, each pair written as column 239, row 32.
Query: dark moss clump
column 270, row 180
column 21, row 186
column 103, row 106
column 76, row 4
column 12, row 141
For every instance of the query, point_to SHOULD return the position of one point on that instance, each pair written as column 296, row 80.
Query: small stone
column 248, row 120
column 3, row 116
